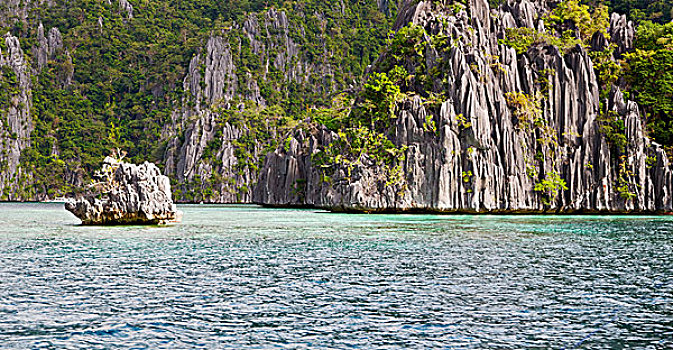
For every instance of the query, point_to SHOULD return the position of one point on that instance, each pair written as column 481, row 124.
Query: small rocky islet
column 126, row 194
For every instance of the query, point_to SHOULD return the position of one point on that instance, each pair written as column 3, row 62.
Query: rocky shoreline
column 431, row 211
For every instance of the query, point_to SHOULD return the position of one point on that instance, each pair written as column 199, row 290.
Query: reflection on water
column 247, row 277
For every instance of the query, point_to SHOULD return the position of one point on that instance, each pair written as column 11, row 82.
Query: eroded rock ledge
column 126, row 194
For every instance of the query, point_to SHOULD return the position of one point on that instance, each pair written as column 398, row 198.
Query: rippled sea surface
column 247, row 277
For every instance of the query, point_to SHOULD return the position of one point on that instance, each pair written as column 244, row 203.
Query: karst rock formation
column 481, row 157
column 126, row 193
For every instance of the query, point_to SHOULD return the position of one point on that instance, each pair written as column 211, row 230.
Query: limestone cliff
column 217, row 88
column 479, row 127
column 127, row 75
column 512, row 132
column 15, row 118
column 17, row 71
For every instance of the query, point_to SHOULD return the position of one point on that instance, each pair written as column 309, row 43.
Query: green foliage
column 544, row 81
column 362, row 147
column 614, row 130
column 467, row 176
column 653, row 36
column 527, row 109
column 463, row 121
column 623, row 186
column 660, row 11
column 362, row 130
column 259, row 125
column 550, row 186
column 362, row 140
column 429, row 124
column 608, row 71
column 649, row 73
column 495, row 3
column 403, row 59
column 335, row 116
column 9, row 87
column 212, row 147
column 576, row 20
column 571, row 15
column 407, row 43
column 571, row 24
column 523, row 38
column 379, row 98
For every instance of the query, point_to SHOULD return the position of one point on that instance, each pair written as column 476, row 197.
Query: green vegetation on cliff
column 118, row 78
column 648, row 70
column 649, row 74
column 660, row 11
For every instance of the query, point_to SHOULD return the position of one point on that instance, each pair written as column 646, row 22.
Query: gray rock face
column 222, row 173
column 15, row 119
column 383, row 6
column 13, row 10
column 16, row 123
column 126, row 6
column 622, row 33
column 213, row 81
column 495, row 161
column 212, row 77
column 48, row 45
column 129, row 194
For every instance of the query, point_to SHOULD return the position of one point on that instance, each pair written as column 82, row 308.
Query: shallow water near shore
column 249, row 277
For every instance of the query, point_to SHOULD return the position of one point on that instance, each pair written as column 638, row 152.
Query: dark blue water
column 244, row 277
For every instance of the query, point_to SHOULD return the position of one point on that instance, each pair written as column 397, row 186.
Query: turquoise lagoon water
column 247, row 277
